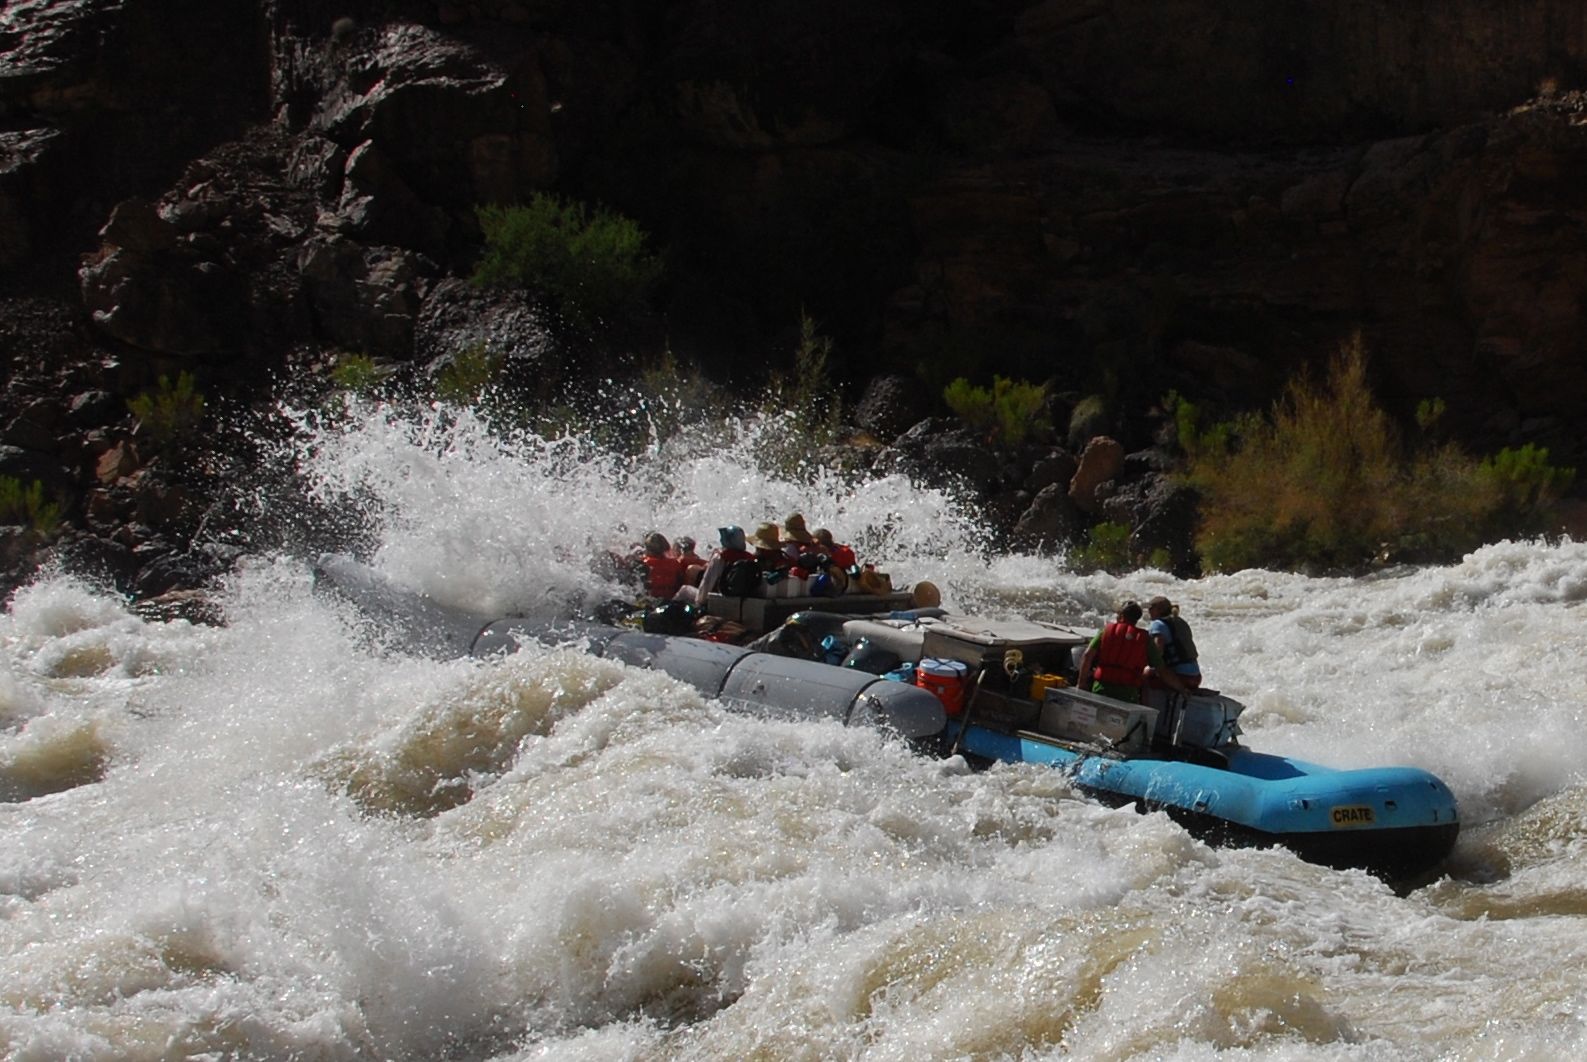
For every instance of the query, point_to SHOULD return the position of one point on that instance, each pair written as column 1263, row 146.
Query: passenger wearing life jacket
column 692, row 563
column 663, row 573
column 842, row 556
column 1115, row 662
column 731, row 569
column 799, row 543
column 1173, row 639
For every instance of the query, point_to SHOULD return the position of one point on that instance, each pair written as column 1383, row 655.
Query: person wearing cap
column 733, row 548
column 1115, row 662
column 1172, row 638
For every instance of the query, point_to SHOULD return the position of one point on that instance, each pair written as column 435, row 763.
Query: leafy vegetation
column 591, row 263
column 171, row 413
column 1010, row 412
column 1324, row 480
column 808, row 393
column 1107, row 549
column 26, row 506
column 468, row 375
column 357, row 373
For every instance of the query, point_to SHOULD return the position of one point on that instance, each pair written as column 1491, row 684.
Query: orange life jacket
column 1122, row 656
column 665, row 576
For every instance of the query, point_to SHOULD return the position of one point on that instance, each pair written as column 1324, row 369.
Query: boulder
column 892, row 403
column 365, row 298
column 1100, row 463
column 1052, row 520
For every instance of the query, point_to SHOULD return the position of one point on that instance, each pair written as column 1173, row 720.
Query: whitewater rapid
column 288, row 836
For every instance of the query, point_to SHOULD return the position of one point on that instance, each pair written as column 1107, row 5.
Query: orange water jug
column 946, row 679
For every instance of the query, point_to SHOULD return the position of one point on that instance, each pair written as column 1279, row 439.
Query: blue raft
column 1394, row 821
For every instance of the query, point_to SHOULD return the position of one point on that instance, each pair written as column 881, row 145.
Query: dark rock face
column 108, row 98
column 892, row 404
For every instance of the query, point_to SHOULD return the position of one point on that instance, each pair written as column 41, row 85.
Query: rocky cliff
column 1125, row 198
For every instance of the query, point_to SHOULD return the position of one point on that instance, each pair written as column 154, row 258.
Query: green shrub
column 1009, row 412
column 26, row 506
column 807, row 406
column 808, row 393
column 1526, row 483
column 1107, row 549
column 971, row 404
column 357, row 373
column 1087, row 419
column 1193, row 438
column 467, row 376
column 171, row 412
column 1324, row 480
column 1429, row 411
column 589, row 263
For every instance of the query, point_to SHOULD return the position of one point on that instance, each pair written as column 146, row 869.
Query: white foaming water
column 281, row 838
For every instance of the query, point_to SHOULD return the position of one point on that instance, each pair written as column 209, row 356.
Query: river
column 291, row 837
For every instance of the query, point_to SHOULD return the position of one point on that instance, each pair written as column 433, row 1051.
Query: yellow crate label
column 1345, row 816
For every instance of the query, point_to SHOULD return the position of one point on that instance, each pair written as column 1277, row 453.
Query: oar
column 969, row 710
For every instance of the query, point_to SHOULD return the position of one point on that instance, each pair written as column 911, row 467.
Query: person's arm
column 1088, row 660
column 1159, row 638
column 1154, row 657
column 713, row 572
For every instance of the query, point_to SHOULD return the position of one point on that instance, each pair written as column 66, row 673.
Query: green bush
column 1009, row 412
column 1526, row 483
column 589, row 263
column 1107, row 549
column 26, row 506
column 971, row 404
column 1089, row 417
column 807, row 393
column 357, row 373
column 171, row 413
column 1324, row 480
column 467, row 375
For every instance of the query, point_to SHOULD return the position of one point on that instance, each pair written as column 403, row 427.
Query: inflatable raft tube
column 744, row 678
column 741, row 677
column 1394, row 821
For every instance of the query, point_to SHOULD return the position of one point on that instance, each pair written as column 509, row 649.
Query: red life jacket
column 666, row 576
column 842, row 556
column 1122, row 655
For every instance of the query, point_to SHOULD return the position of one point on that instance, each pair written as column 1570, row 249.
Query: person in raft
column 663, row 573
column 692, row 563
column 1115, row 662
column 770, row 553
column 800, row 544
column 724, row 560
column 842, row 556
column 1172, row 637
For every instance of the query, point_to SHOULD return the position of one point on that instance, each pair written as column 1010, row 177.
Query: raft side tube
column 898, row 706
column 703, row 665
column 800, row 688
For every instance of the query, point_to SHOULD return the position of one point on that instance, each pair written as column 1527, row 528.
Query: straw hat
column 766, row 537
column 795, row 526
